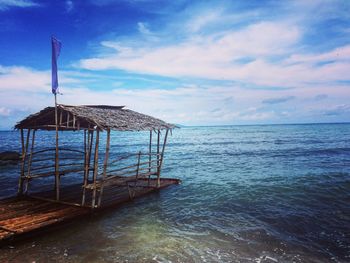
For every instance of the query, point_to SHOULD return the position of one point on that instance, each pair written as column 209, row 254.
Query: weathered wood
column 61, row 117
column 96, row 115
column 93, row 201
column 121, row 158
column 27, row 214
column 85, row 153
column 129, row 166
column 86, row 160
column 114, row 186
column 105, row 164
column 52, row 127
column 68, row 119
column 22, row 142
column 20, row 180
column 137, row 174
column 30, row 162
column 161, row 158
column 61, row 172
column 150, row 149
column 56, row 201
column 24, row 153
column 90, row 151
column 158, row 155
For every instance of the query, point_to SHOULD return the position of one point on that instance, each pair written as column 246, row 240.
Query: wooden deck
column 20, row 216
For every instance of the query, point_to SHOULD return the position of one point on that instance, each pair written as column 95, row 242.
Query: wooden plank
column 21, row 215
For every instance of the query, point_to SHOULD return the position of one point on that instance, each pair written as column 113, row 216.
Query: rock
column 10, row 156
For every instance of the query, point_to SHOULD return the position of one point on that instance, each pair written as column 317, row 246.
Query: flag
column 56, row 49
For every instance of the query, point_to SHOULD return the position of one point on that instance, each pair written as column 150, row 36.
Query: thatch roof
column 101, row 117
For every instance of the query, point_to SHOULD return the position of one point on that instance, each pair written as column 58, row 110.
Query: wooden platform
column 21, row 216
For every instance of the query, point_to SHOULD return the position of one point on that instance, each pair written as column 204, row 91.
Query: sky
column 186, row 62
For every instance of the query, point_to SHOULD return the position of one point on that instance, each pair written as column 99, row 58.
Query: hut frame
column 92, row 119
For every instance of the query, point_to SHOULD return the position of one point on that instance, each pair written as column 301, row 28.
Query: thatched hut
column 144, row 171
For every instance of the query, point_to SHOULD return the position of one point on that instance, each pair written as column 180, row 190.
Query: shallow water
column 270, row 193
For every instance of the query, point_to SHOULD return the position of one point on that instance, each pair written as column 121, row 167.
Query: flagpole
column 57, row 179
column 56, row 49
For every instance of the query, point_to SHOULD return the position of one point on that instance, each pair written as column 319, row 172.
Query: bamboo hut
column 105, row 182
column 143, row 169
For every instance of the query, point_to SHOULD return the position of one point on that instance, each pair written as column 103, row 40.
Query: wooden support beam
column 158, row 155
column 150, row 149
column 137, row 174
column 90, row 152
column 30, row 162
column 24, row 153
column 150, row 156
column 161, row 158
column 93, row 201
column 85, row 154
column 105, row 164
column 67, row 119
column 61, row 117
column 87, row 163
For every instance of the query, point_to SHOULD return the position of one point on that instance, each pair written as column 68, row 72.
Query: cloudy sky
column 188, row 62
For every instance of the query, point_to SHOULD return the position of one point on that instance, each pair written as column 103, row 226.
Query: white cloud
column 217, row 57
column 22, row 79
column 28, row 80
column 6, row 4
column 143, row 29
column 340, row 54
column 4, row 111
column 338, row 110
column 198, row 22
column 69, row 6
column 212, row 57
column 29, row 90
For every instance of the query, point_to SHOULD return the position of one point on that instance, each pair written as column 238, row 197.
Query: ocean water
column 268, row 193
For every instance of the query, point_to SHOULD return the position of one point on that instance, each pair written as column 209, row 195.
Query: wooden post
column 150, row 158
column 137, row 172
column 93, row 201
column 67, row 119
column 73, row 121
column 57, row 175
column 105, row 164
column 24, row 152
column 30, row 162
column 150, row 151
column 161, row 158
column 90, row 151
column 158, row 157
column 87, row 148
column 85, row 155
column 61, row 113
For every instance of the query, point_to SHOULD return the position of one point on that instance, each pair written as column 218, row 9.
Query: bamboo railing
column 37, row 164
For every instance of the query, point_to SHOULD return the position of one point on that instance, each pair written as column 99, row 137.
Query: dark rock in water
column 9, row 157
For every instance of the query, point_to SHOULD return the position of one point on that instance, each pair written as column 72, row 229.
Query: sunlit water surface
column 278, row 193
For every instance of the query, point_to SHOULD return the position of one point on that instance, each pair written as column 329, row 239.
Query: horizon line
column 229, row 125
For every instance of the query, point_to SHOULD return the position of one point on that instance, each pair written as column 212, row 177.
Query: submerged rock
column 9, row 157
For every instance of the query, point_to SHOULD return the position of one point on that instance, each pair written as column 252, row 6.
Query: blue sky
column 188, row 62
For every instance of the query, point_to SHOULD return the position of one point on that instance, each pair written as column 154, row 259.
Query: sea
column 264, row 193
